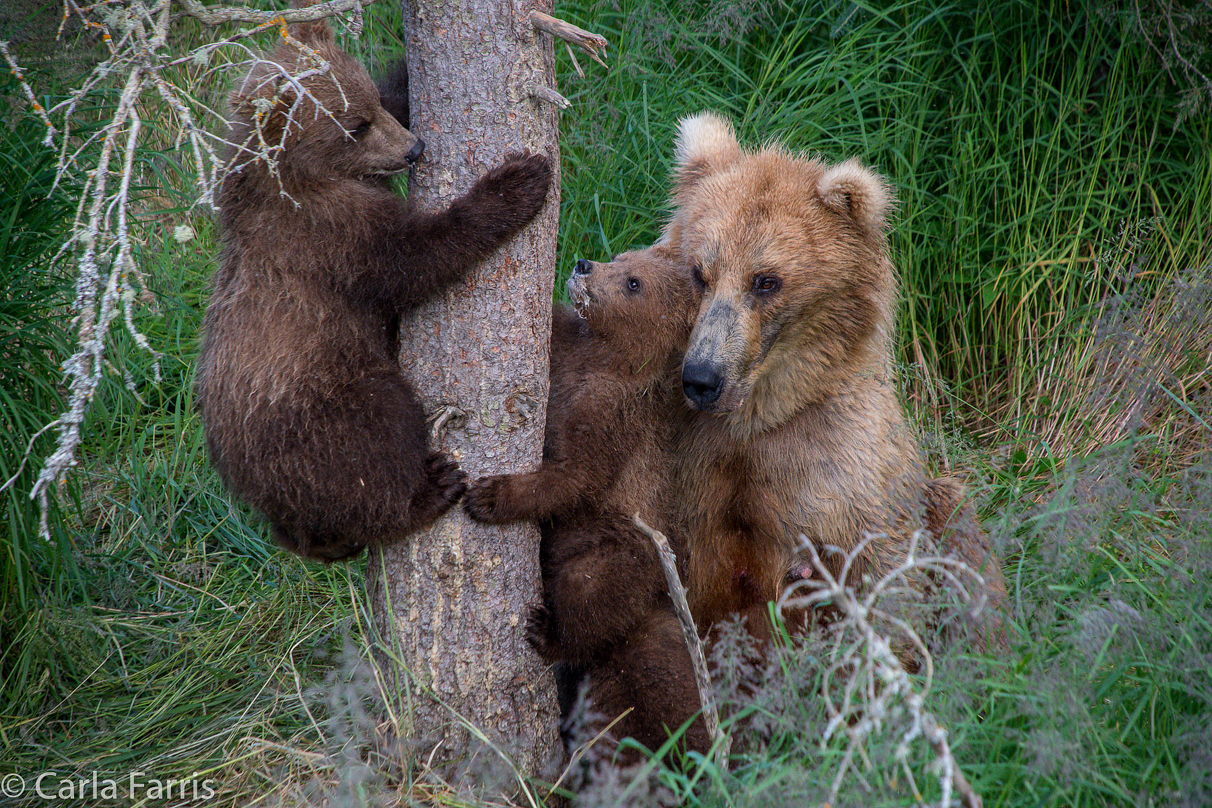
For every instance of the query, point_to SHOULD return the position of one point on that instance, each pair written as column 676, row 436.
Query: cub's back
column 585, row 381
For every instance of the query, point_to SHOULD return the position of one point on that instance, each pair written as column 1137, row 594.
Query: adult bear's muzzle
column 702, row 384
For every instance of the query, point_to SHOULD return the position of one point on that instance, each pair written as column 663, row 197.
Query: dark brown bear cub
column 307, row 415
column 606, row 457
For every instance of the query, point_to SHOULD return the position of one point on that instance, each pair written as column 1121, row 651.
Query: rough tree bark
column 454, row 598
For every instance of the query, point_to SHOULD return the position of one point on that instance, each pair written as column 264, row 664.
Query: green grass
column 1038, row 168
column 34, row 293
column 1054, row 240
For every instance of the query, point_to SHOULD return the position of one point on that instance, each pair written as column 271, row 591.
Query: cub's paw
column 446, row 477
column 520, row 182
column 486, row 500
column 346, row 551
column 542, row 635
column 327, row 548
column 441, row 488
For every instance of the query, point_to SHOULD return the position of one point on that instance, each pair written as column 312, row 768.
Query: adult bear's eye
column 766, row 284
column 359, row 130
column 633, row 284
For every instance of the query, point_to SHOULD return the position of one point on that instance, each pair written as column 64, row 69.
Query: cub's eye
column 766, row 285
column 698, row 277
column 633, row 284
column 361, row 129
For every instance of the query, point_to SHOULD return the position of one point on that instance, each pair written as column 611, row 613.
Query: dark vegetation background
column 1055, row 245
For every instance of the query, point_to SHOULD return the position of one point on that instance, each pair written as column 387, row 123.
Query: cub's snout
column 415, row 152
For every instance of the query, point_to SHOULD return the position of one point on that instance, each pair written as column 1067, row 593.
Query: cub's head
column 789, row 256
column 318, row 114
column 643, row 301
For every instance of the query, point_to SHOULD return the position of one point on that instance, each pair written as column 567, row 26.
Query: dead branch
column 105, row 237
column 220, row 15
column 875, row 685
column 587, row 41
column 549, row 95
column 702, row 678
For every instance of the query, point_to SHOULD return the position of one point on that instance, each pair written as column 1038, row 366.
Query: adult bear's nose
column 416, row 151
column 583, row 267
column 702, row 384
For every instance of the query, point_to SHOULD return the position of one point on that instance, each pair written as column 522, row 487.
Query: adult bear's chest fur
column 735, row 497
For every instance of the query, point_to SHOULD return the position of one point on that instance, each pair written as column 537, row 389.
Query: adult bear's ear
column 705, row 144
column 859, row 194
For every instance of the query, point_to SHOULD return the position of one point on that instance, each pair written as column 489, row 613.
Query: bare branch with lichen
column 221, row 15
column 868, row 672
column 106, row 236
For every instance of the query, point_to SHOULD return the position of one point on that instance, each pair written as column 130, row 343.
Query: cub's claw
column 446, row 476
column 541, row 634
column 521, row 181
column 483, row 499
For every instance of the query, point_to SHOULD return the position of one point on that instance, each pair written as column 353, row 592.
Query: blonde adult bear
column 793, row 426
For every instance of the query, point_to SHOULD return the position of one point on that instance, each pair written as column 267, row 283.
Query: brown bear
column 793, row 425
column 307, row 415
column 606, row 610
column 393, row 92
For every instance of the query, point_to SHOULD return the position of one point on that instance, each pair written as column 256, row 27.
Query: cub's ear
column 315, row 34
column 705, row 144
column 859, row 194
column 266, row 99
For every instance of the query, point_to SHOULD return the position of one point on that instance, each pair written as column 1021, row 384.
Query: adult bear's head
column 790, row 256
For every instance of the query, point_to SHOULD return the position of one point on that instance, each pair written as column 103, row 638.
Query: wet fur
column 307, row 415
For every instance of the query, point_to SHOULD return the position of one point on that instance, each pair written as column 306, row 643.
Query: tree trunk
column 453, row 599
